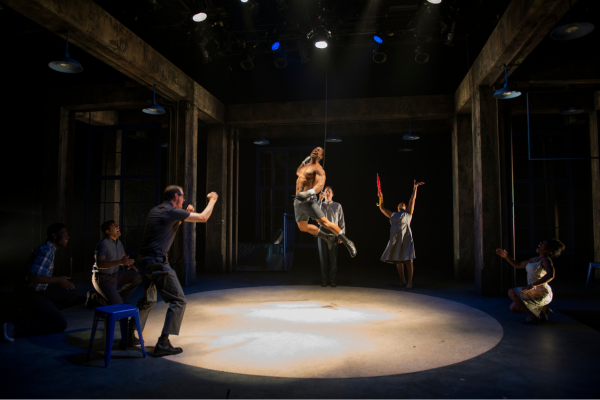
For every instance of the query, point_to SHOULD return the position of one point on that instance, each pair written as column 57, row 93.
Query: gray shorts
column 308, row 209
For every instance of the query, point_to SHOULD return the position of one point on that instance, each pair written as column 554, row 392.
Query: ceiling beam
column 95, row 31
column 522, row 27
column 346, row 129
column 313, row 112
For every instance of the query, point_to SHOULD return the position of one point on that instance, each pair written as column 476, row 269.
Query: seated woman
column 534, row 298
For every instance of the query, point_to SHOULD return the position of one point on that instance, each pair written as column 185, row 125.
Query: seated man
column 107, row 274
column 41, row 296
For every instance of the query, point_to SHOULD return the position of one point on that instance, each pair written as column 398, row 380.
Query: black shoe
column 349, row 245
column 89, row 301
column 333, row 284
column 164, row 348
column 323, row 284
column 132, row 342
column 8, row 332
column 329, row 238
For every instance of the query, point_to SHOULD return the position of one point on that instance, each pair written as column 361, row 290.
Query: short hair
column 106, row 226
column 171, row 191
column 555, row 247
column 54, row 228
column 328, row 187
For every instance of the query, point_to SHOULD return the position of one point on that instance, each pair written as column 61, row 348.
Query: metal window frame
column 122, row 178
column 289, row 186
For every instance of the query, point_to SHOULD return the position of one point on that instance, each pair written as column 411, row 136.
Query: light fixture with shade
column 262, row 141
column 404, row 149
column 154, row 109
column 571, row 30
column 66, row 64
column 333, row 138
column 434, row 1
column 410, row 135
column 506, row 92
column 571, row 110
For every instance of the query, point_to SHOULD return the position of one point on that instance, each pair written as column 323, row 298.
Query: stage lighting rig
column 380, row 54
column 320, row 36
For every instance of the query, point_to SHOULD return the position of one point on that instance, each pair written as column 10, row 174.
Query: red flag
column 378, row 190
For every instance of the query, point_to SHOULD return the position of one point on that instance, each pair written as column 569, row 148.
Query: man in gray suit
column 328, row 257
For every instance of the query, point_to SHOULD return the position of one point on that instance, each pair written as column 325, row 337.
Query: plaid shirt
column 42, row 263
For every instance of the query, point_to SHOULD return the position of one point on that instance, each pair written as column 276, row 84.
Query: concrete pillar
column 189, row 125
column 216, row 181
column 487, row 192
column 594, row 152
column 462, row 197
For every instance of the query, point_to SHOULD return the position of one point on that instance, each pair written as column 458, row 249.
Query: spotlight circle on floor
column 295, row 331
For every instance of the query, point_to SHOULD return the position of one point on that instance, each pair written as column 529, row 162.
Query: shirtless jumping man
column 311, row 180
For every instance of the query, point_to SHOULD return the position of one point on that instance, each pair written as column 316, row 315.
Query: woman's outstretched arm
column 511, row 261
column 385, row 211
column 411, row 202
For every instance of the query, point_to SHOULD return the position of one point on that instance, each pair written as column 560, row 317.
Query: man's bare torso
column 307, row 176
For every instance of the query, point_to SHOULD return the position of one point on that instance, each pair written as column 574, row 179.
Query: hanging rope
column 325, row 140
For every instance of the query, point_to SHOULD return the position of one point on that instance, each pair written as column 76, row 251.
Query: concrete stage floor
column 280, row 335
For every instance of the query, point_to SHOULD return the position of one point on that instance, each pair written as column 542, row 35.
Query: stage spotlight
column 320, row 36
column 571, row 30
column 421, row 57
column 247, row 63
column 379, row 55
column 244, row 1
column 153, row 109
column 434, row 1
column 506, row 92
column 280, row 58
column 66, row 64
column 275, row 45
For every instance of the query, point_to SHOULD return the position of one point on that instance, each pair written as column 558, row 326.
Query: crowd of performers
column 41, row 296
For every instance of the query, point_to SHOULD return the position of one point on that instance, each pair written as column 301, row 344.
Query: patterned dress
column 539, row 296
column 400, row 247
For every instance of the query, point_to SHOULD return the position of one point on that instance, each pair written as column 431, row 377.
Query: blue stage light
column 275, row 46
column 378, row 39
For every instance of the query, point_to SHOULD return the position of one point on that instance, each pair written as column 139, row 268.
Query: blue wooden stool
column 111, row 314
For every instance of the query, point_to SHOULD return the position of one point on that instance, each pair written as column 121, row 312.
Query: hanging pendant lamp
column 262, row 141
column 506, row 92
column 66, row 64
column 333, row 138
column 571, row 30
column 410, row 135
column 571, row 110
column 154, row 109
column 404, row 149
